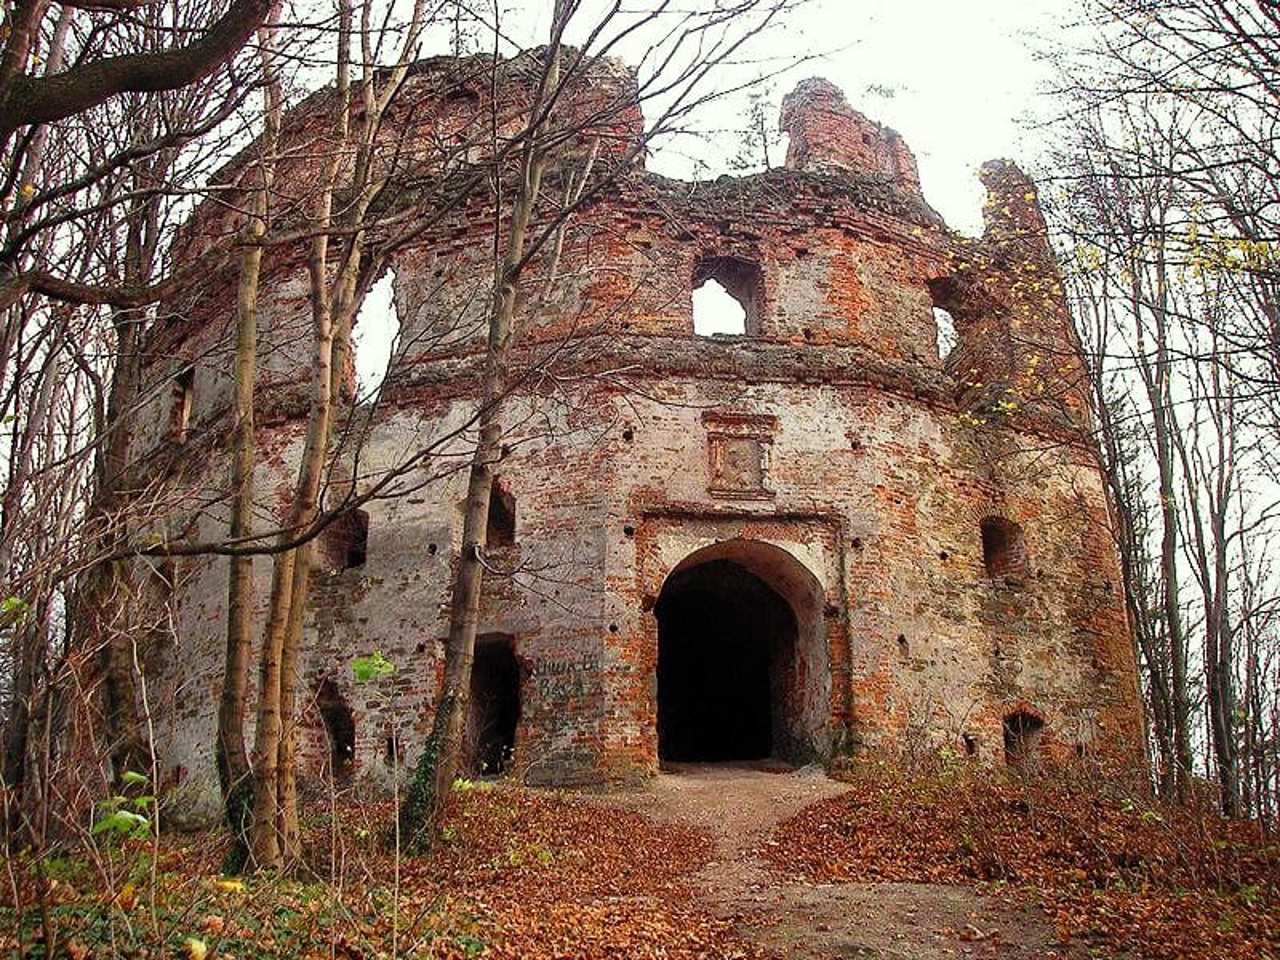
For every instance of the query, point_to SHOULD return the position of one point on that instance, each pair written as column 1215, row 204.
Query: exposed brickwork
column 829, row 453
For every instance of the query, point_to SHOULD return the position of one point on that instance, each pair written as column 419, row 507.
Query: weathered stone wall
column 831, row 453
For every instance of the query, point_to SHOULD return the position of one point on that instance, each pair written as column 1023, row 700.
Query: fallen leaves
column 1165, row 884
column 518, row 874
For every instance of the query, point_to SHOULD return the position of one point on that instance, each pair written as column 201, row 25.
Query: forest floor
column 714, row 863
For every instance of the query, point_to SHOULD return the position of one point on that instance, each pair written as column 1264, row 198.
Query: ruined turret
column 813, row 534
column 829, row 136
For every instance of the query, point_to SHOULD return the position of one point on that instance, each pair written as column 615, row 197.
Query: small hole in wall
column 855, row 444
column 802, row 252
column 613, row 628
column 970, row 745
column 629, row 531
column 628, row 434
column 902, row 643
column 943, row 555
column 431, row 549
column 421, row 648
column 1081, row 751
column 857, row 543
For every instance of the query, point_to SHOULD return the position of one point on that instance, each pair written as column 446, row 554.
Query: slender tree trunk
column 288, row 584
column 232, row 752
column 441, row 759
column 110, row 586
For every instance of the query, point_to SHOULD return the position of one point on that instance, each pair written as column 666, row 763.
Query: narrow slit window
column 180, row 404
column 954, row 312
column 728, row 294
column 945, row 325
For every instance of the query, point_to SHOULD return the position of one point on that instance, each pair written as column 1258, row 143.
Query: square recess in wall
column 739, row 446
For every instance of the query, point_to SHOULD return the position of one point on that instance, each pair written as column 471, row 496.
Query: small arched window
column 728, row 293
column 344, row 544
column 1003, row 550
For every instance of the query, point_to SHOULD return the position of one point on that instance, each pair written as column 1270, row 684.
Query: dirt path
column 740, row 807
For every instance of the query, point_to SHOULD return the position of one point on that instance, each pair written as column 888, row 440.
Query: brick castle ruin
column 816, row 538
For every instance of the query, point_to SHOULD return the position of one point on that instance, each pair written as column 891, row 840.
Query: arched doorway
column 742, row 665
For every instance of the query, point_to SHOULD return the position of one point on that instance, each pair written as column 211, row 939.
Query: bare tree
column 1170, row 220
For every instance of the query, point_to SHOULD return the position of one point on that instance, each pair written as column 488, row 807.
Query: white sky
column 959, row 79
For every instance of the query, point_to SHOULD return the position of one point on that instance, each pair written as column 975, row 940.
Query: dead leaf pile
column 1118, row 873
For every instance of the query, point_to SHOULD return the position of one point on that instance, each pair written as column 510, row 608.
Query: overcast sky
column 959, row 79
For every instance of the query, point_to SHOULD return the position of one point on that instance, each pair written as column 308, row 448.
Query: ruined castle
column 820, row 536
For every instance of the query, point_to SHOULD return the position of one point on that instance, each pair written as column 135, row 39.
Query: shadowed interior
column 494, row 710
column 726, row 644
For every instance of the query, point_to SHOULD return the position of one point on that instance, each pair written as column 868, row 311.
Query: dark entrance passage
column 494, row 711
column 339, row 728
column 726, row 644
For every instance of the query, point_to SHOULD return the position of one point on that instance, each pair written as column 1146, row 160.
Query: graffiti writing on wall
column 563, row 679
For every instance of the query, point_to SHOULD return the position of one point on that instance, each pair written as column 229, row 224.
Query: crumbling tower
column 811, row 538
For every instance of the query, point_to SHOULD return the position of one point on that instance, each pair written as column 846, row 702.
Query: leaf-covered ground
column 1124, row 878
column 956, row 864
column 519, row 874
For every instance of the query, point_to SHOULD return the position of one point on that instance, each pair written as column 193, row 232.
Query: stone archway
column 743, row 670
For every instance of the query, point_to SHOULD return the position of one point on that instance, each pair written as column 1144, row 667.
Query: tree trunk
column 440, row 760
column 109, row 584
column 232, row 753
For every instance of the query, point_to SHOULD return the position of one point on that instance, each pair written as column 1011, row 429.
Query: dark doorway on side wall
column 726, row 645
column 339, row 728
column 494, row 712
